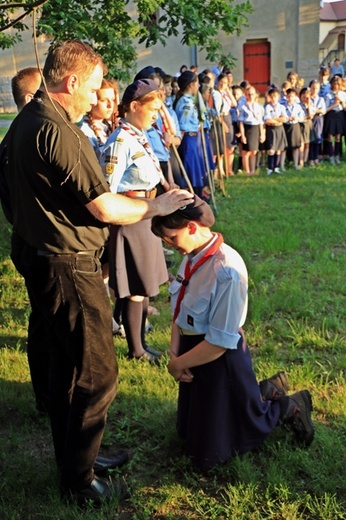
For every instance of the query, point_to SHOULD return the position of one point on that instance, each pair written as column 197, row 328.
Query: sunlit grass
column 291, row 231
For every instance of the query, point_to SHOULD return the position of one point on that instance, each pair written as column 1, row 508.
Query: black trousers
column 38, row 343
column 69, row 292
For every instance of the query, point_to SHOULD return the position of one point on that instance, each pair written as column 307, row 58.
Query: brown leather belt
column 184, row 332
column 44, row 252
column 142, row 194
column 192, row 134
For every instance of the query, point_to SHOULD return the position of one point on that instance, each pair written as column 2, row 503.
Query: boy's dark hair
column 289, row 90
column 172, row 221
column 274, row 90
column 199, row 211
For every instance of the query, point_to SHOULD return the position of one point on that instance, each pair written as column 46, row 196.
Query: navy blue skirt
column 191, row 153
column 221, row 413
column 209, row 150
column 334, row 123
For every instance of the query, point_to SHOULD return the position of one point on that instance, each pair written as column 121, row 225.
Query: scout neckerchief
column 107, row 130
column 158, row 130
column 189, row 272
column 255, row 111
column 305, row 110
column 144, row 142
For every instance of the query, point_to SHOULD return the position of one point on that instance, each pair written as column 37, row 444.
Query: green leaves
column 115, row 27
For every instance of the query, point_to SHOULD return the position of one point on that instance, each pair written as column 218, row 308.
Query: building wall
column 325, row 27
column 292, row 28
column 170, row 57
column 292, row 32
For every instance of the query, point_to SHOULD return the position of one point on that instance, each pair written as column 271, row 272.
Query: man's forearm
column 121, row 210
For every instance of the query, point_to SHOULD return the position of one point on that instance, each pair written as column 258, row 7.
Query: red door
column 257, row 65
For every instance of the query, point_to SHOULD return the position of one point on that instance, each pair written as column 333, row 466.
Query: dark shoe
column 151, row 358
column 99, row 490
column 103, row 464
column 152, row 351
column 296, row 413
column 274, row 387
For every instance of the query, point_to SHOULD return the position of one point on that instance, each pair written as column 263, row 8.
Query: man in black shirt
column 60, row 205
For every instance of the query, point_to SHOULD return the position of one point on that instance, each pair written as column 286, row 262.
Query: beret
column 186, row 78
column 160, row 72
column 138, row 89
column 145, row 73
column 199, row 210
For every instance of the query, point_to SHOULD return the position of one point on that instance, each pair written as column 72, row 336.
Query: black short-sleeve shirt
column 53, row 174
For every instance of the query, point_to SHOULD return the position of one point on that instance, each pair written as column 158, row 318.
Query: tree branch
column 24, row 6
column 21, row 17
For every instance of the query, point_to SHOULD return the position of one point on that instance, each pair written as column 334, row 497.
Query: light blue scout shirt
column 283, row 101
column 330, row 100
column 90, row 133
column 175, row 119
column 187, row 113
column 306, row 114
column 337, row 69
column 318, row 103
column 296, row 110
column 235, row 111
column 156, row 143
column 221, row 103
column 215, row 300
column 271, row 111
column 126, row 164
column 325, row 88
column 251, row 114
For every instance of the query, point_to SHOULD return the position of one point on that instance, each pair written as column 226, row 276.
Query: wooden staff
column 202, row 110
column 171, row 130
column 221, row 172
column 181, row 166
column 206, row 160
column 226, row 156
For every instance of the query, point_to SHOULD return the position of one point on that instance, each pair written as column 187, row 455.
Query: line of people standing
column 297, row 124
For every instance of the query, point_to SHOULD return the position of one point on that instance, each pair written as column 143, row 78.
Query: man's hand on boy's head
column 172, row 201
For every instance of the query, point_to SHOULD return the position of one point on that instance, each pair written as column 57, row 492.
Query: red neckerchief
column 188, row 273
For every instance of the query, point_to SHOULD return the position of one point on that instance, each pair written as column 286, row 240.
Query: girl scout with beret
column 137, row 264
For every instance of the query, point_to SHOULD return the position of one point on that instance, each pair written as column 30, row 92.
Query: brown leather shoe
column 296, row 413
column 274, row 387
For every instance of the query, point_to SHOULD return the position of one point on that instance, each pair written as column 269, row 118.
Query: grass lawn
column 291, row 231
